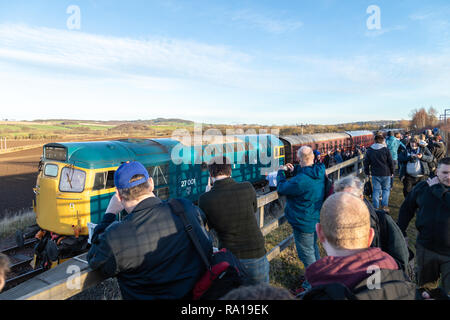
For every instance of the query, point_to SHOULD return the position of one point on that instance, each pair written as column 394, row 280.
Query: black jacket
column 433, row 216
column 394, row 286
column 378, row 161
column 230, row 210
column 150, row 252
column 439, row 151
column 388, row 236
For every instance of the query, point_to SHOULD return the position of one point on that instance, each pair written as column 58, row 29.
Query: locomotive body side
column 77, row 179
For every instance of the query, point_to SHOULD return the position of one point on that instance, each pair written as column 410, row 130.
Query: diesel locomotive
column 76, row 180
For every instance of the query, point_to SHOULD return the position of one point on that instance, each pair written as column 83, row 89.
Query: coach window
column 160, row 176
column 103, row 180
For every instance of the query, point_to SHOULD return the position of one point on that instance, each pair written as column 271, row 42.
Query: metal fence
column 75, row 275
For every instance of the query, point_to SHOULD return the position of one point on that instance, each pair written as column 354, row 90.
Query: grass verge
column 18, row 221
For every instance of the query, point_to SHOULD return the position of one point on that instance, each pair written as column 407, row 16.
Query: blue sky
column 267, row 62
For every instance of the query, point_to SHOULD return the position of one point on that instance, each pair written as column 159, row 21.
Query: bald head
column 345, row 222
column 306, row 156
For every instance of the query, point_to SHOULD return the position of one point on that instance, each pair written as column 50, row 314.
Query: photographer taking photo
column 415, row 160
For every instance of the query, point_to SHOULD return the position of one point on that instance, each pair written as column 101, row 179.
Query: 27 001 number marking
column 188, row 182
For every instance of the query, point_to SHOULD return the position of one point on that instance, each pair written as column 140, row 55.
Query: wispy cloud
column 266, row 23
column 383, row 30
column 178, row 78
column 421, row 16
column 56, row 48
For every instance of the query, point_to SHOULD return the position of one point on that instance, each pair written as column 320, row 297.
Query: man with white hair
column 305, row 194
column 388, row 235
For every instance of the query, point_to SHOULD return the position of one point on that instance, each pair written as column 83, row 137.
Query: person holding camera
column 305, row 193
column 416, row 160
column 149, row 251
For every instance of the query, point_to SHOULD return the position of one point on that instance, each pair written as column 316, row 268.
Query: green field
column 60, row 129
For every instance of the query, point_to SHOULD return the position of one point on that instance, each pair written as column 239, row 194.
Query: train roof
column 358, row 133
column 106, row 154
column 313, row 138
column 393, row 129
column 103, row 154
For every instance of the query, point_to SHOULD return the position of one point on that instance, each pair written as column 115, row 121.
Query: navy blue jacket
column 149, row 251
column 305, row 193
column 378, row 161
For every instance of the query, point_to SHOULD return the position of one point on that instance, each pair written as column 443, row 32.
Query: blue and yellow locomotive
column 76, row 180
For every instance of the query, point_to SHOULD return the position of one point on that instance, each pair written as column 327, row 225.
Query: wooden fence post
column 261, row 216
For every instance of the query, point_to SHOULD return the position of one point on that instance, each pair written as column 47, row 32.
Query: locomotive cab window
column 72, row 180
column 51, row 170
column 55, row 153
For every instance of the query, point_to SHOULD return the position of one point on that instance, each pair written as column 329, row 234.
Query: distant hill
column 380, row 123
column 157, row 121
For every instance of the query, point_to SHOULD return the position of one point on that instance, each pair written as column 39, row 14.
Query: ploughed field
column 18, row 173
column 24, row 143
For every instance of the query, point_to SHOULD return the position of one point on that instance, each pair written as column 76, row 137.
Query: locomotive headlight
column 72, row 180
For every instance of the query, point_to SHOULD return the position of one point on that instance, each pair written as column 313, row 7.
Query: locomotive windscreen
column 55, row 153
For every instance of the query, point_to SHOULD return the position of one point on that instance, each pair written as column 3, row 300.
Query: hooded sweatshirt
column 378, row 161
column 393, row 144
column 349, row 270
column 305, row 193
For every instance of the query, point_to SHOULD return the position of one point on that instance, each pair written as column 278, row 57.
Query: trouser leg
column 376, row 185
column 428, row 268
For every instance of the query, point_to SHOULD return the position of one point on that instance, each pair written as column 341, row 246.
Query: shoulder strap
column 178, row 209
column 383, row 231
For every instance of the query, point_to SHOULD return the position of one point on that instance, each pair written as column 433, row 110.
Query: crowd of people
column 367, row 253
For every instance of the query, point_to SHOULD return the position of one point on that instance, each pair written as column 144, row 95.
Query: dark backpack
column 368, row 188
column 224, row 271
column 329, row 189
column 378, row 223
column 394, row 286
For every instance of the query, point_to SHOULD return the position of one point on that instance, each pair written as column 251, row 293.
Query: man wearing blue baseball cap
column 148, row 251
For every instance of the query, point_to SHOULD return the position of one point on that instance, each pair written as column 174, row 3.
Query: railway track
column 21, row 269
column 26, row 244
column 14, row 281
